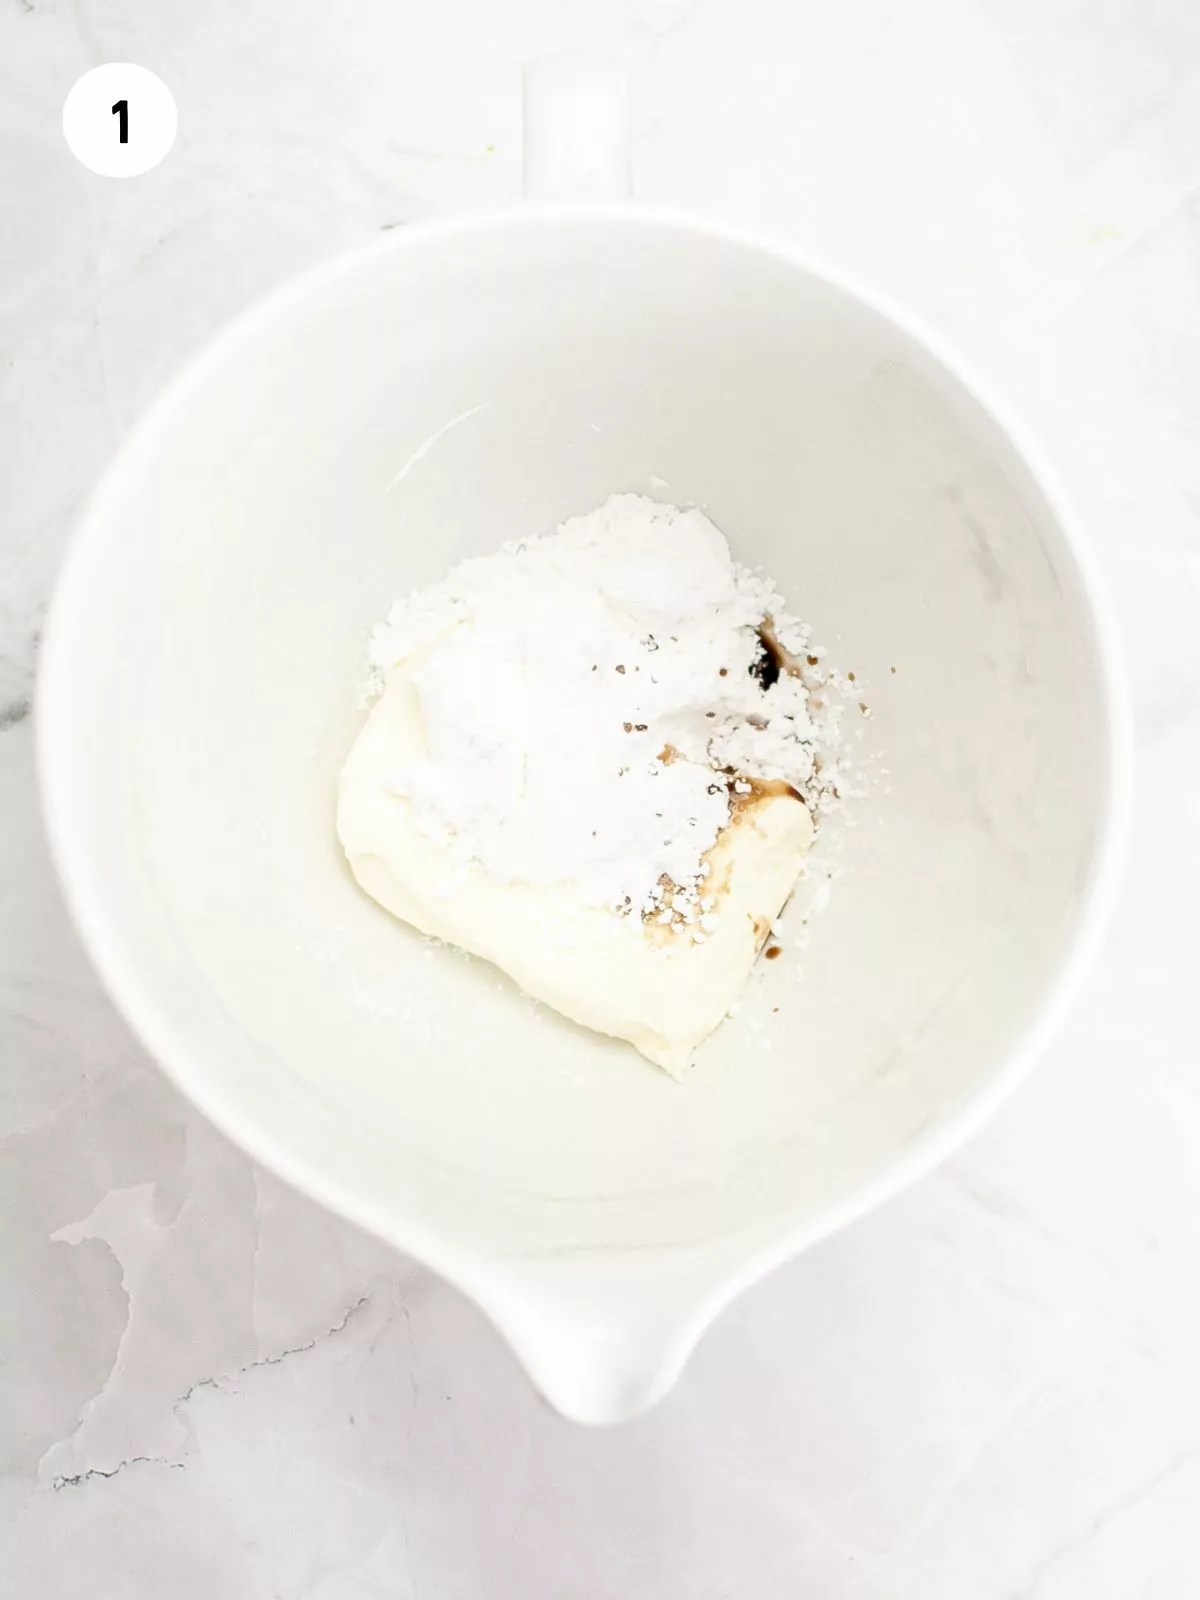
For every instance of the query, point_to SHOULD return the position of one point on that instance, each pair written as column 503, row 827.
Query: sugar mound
column 596, row 699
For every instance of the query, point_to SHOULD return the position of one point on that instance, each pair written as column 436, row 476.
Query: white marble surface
column 988, row 1391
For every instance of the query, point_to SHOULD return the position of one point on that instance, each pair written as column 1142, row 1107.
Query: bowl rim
column 150, row 1019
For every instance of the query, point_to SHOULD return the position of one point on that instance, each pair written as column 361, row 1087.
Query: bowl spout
column 602, row 1340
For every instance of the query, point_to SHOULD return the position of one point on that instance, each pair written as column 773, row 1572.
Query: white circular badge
column 120, row 120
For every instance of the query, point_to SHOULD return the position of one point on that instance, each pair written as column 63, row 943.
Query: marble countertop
column 990, row 1390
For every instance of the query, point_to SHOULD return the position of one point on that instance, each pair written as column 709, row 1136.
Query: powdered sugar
column 591, row 697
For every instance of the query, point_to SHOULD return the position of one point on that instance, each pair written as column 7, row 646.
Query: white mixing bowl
column 447, row 389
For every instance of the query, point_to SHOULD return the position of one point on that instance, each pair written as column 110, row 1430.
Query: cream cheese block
column 624, row 975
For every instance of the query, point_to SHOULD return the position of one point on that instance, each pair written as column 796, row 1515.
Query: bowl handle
column 576, row 130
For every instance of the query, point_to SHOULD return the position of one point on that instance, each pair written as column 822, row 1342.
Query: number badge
column 120, row 120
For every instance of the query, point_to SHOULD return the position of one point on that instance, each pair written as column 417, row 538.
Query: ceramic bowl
column 449, row 388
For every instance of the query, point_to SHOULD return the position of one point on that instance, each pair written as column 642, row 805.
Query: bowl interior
column 426, row 401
